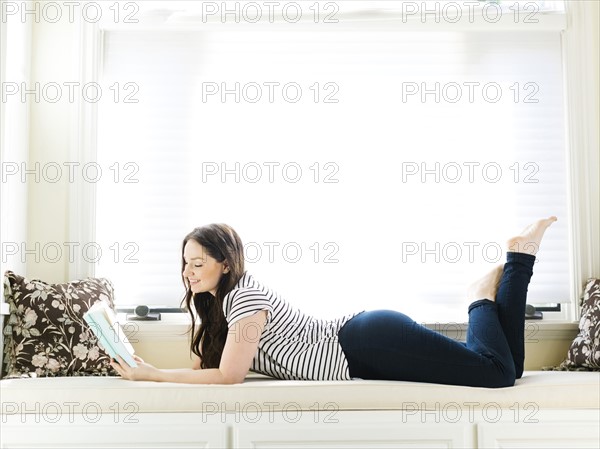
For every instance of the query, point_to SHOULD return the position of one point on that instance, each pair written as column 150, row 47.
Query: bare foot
column 487, row 286
column 529, row 240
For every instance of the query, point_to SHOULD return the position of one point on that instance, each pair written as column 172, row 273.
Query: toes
column 530, row 238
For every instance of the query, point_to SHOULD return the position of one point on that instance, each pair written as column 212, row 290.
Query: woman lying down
column 245, row 326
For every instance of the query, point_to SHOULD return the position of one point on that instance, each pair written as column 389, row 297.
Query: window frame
column 581, row 115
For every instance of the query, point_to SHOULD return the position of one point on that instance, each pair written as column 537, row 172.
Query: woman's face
column 201, row 271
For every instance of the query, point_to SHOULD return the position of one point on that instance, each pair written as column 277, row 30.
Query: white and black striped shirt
column 293, row 345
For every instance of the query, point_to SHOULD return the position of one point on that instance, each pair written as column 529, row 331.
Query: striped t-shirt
column 293, row 345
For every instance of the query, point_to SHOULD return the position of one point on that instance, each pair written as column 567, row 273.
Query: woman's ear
column 225, row 268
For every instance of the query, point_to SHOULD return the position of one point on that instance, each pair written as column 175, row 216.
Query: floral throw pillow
column 45, row 332
column 584, row 353
column 585, row 348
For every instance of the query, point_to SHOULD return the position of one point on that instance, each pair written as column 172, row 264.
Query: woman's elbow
column 232, row 379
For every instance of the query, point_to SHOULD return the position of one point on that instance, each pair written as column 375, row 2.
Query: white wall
column 14, row 140
column 53, row 60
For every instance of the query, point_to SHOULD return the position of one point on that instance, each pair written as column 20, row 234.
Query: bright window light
column 362, row 168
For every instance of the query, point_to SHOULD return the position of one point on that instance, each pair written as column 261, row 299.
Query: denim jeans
column 388, row 345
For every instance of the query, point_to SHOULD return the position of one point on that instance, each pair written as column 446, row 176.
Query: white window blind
column 396, row 177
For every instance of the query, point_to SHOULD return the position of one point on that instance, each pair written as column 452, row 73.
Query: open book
column 103, row 322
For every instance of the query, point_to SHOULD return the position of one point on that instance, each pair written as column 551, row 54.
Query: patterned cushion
column 584, row 353
column 585, row 349
column 45, row 332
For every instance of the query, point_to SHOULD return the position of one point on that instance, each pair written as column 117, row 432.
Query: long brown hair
column 222, row 243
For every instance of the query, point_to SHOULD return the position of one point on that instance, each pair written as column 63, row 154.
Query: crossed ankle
column 482, row 302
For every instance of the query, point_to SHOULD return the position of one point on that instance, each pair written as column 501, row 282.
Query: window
column 365, row 165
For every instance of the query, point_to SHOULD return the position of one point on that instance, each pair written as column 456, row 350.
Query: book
column 103, row 323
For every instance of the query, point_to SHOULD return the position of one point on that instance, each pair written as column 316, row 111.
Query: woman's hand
column 144, row 371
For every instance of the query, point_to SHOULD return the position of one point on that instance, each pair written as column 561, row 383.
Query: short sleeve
column 244, row 302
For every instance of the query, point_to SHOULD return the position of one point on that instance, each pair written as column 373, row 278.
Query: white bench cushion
column 547, row 389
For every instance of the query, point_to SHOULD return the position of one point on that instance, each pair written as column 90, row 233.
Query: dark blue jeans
column 388, row 345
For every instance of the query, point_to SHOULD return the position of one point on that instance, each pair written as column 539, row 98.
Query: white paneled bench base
column 544, row 409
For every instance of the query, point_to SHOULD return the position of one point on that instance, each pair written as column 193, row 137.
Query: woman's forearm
column 191, row 376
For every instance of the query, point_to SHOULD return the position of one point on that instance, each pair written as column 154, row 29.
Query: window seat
column 545, row 408
column 547, row 389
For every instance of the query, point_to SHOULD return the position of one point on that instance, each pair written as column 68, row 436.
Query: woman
column 244, row 325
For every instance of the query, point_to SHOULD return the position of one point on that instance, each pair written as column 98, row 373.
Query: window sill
column 171, row 327
column 175, row 326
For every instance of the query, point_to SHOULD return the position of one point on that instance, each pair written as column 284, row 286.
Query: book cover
column 103, row 323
